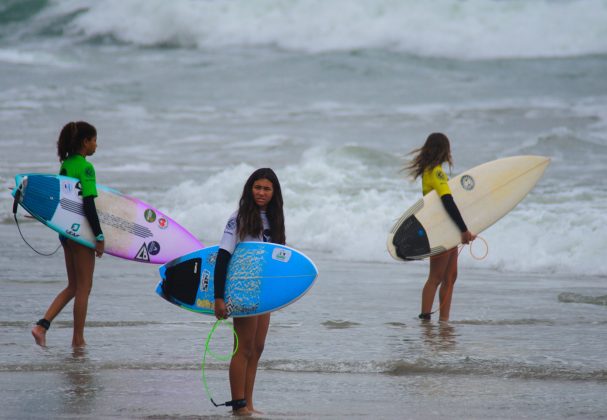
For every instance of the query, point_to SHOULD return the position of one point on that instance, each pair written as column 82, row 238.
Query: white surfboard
column 483, row 194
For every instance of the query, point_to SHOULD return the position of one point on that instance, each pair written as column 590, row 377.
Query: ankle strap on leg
column 236, row 404
column 44, row 323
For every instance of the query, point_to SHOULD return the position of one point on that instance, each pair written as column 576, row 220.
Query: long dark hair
column 435, row 151
column 72, row 136
column 249, row 217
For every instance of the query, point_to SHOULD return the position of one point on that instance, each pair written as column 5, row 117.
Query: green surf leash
column 219, row 357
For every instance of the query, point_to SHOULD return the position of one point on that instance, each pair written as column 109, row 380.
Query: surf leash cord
column 235, row 404
column 15, row 206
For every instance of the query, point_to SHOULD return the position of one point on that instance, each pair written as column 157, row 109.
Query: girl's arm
column 453, row 212
column 221, row 269
column 90, row 212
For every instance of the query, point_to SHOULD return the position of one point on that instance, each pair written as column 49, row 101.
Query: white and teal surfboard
column 262, row 277
column 133, row 229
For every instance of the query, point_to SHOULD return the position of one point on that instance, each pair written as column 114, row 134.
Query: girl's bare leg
column 62, row 298
column 85, row 267
column 245, row 330
column 447, row 285
column 438, row 266
column 263, row 324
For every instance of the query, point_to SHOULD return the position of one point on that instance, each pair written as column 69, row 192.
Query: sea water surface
column 189, row 97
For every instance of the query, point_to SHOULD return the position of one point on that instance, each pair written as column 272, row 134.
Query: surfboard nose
column 541, row 160
column 20, row 183
column 539, row 164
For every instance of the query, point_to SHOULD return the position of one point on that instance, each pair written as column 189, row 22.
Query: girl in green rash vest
column 427, row 163
column 77, row 140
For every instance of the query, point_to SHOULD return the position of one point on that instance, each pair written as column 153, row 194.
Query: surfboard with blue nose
column 262, row 277
column 133, row 229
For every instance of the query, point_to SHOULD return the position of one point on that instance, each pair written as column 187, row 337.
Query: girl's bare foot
column 78, row 343
column 244, row 411
column 39, row 334
column 79, row 352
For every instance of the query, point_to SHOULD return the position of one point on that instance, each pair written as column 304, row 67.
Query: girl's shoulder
column 438, row 172
column 232, row 221
column 433, row 170
column 78, row 164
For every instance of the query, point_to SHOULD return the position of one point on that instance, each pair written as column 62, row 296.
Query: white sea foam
column 474, row 29
column 31, row 57
column 344, row 205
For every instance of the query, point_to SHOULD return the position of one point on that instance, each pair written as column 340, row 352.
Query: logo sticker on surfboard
column 153, row 248
column 142, row 254
column 467, row 182
column 149, row 215
column 73, row 231
column 68, row 187
column 204, row 280
column 282, row 255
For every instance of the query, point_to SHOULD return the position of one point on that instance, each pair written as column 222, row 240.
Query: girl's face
column 263, row 190
column 89, row 146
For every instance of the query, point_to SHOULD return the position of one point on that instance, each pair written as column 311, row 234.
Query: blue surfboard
column 262, row 277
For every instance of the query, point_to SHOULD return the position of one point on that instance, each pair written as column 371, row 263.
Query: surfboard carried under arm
column 483, row 194
column 133, row 229
column 261, row 277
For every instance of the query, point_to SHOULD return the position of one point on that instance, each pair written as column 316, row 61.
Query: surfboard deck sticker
column 133, row 229
column 483, row 194
column 262, row 277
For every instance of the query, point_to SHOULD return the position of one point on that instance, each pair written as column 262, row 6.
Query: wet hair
column 72, row 137
column 435, row 151
column 249, row 216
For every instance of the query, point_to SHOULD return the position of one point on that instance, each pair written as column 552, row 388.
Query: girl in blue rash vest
column 427, row 163
column 259, row 218
column 77, row 140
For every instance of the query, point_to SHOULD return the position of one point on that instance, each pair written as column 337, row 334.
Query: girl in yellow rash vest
column 427, row 162
column 77, row 140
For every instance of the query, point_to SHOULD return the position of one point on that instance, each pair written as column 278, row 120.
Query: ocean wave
column 32, row 57
column 475, row 29
column 463, row 366
column 105, row 324
column 508, row 322
column 339, row 324
column 505, row 369
column 342, row 201
column 15, row 11
column 569, row 297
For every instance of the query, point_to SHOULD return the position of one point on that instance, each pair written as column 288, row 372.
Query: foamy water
column 476, row 29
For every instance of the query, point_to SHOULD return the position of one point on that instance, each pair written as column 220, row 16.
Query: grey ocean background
column 189, row 97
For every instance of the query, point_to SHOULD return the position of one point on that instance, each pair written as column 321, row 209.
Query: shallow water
column 351, row 347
